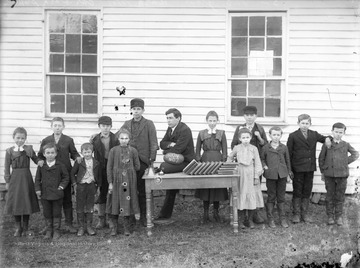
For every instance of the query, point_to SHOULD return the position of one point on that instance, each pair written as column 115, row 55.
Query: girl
column 250, row 168
column 123, row 162
column 21, row 200
column 213, row 142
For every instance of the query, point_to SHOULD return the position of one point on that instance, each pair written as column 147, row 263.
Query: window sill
column 73, row 119
column 259, row 121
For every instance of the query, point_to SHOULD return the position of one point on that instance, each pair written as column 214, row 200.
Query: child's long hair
column 124, row 131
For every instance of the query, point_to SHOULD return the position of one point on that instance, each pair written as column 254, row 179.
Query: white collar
column 50, row 164
column 211, row 131
column 21, row 148
column 250, row 126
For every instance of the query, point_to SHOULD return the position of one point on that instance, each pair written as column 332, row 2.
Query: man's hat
column 105, row 120
column 137, row 103
column 250, row 110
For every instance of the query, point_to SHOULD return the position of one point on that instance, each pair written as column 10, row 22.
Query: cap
column 250, row 110
column 137, row 103
column 105, row 120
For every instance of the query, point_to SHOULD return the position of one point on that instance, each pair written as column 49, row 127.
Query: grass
column 188, row 243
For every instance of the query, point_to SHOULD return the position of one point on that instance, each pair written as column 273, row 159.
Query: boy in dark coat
column 144, row 140
column 50, row 181
column 86, row 178
column 334, row 166
column 302, row 148
column 103, row 142
column 178, row 139
column 65, row 150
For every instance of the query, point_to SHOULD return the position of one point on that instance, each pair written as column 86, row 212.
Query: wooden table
column 184, row 181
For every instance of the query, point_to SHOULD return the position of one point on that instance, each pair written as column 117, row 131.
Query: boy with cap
column 144, row 140
column 258, row 139
column 102, row 143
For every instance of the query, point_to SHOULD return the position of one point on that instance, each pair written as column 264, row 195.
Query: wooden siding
column 173, row 54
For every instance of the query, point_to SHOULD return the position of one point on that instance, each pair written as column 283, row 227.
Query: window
column 72, row 72
column 256, row 65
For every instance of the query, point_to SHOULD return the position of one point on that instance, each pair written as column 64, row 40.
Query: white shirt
column 212, row 131
column 19, row 148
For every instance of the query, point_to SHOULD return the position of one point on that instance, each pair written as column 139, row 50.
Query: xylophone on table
column 210, row 168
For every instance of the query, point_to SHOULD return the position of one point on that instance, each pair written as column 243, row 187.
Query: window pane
column 274, row 44
column 89, row 44
column 72, row 64
column 238, row 88
column 239, row 26
column 57, row 84
column 89, row 24
column 239, row 47
column 257, row 26
column 56, row 63
column 56, row 43
column 57, row 23
column 277, row 66
column 73, row 43
column 57, row 104
column 257, row 44
column 73, row 23
column 274, row 26
column 90, row 104
column 73, row 84
column 256, row 88
column 272, row 107
column 272, row 88
column 90, row 85
column 237, row 106
column 259, row 104
column 89, row 64
column 73, row 104
column 239, row 66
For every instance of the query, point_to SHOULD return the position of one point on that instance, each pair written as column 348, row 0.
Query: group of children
column 112, row 173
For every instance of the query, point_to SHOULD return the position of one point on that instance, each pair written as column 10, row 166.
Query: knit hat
column 250, row 110
column 105, row 120
column 137, row 103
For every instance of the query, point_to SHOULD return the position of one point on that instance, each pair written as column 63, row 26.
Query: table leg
column 148, row 212
column 231, row 207
column 235, row 211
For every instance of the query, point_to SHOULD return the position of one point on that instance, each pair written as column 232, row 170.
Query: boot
column 113, row 225
column 49, row 228
column 80, row 219
column 89, row 220
column 305, row 210
column 296, row 210
column 57, row 225
column 18, row 229
column 101, row 224
column 281, row 210
column 270, row 216
column 241, row 214
column 216, row 212
column 68, row 221
column 338, row 213
column 206, row 218
column 257, row 218
column 127, row 225
column 25, row 231
column 251, row 218
column 330, row 212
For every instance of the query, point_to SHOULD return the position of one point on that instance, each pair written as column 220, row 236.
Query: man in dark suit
column 178, row 139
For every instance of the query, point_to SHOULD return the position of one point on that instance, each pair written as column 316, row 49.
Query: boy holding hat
column 102, row 143
column 144, row 140
column 258, row 139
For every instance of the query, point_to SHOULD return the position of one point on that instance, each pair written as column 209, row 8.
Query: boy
column 65, row 150
column 102, row 143
column 144, row 140
column 302, row 148
column 333, row 163
column 50, row 181
column 276, row 163
column 258, row 139
column 86, row 178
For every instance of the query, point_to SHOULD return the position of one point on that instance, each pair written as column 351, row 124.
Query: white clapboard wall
column 173, row 54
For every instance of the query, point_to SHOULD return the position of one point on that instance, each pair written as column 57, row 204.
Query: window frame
column 230, row 119
column 47, row 114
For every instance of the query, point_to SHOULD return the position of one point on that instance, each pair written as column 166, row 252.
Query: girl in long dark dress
column 214, row 145
column 21, row 197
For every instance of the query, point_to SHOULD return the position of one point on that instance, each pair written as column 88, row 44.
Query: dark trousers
column 276, row 190
column 52, row 208
column 67, row 200
column 104, row 188
column 168, row 206
column 85, row 197
column 302, row 184
column 335, row 195
column 141, row 187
